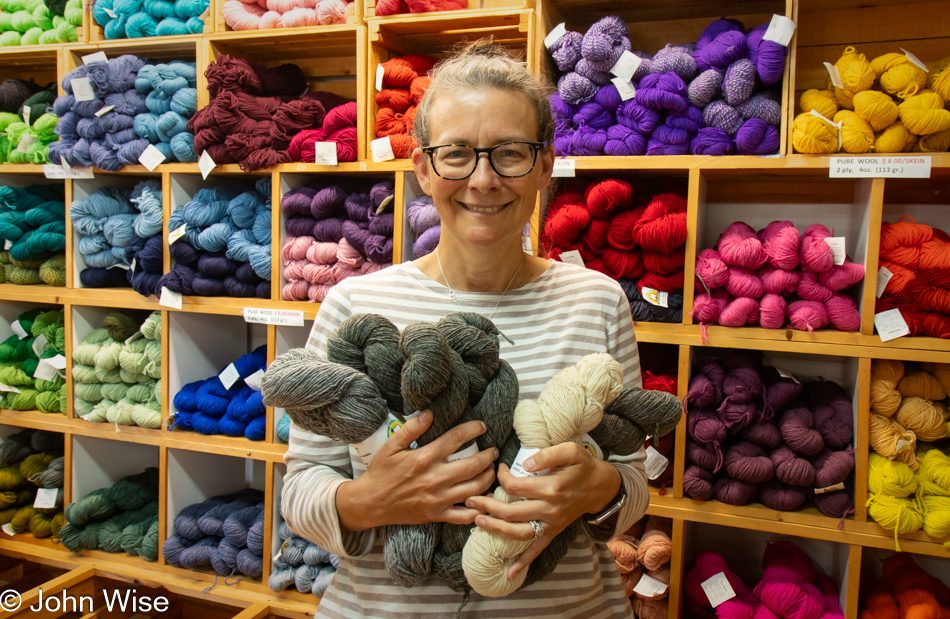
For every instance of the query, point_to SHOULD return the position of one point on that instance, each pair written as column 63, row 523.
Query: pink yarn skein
column 772, row 308
column 786, row 562
column 744, row 283
column 740, row 312
column 790, row 600
column 843, row 313
column 779, row 281
column 807, row 315
column 843, row 276
column 780, row 240
column 814, row 253
column 710, row 270
column 740, row 607
column 810, row 289
column 708, row 564
column 740, row 247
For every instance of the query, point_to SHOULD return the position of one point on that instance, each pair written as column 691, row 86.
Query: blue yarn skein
column 133, row 19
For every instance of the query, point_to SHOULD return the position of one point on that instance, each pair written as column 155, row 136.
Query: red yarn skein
column 664, row 263
column 564, row 227
column 662, row 227
column 603, row 198
column 620, row 235
column 626, row 265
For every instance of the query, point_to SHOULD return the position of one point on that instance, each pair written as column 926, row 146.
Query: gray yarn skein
column 632, row 416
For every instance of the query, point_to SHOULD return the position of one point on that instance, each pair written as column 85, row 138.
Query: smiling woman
column 485, row 133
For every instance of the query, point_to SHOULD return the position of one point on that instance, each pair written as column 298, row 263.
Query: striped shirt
column 566, row 313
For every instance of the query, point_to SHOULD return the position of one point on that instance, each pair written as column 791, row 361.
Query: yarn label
column 59, row 171
column 111, row 13
column 124, row 267
column 563, row 168
column 82, row 89
column 7, row 244
column 588, row 443
column 229, row 376
column 718, row 589
column 324, row 153
column 517, row 467
column 834, row 75
column 471, row 450
column 780, row 30
column 105, row 110
column 650, row 587
column 58, row 362
column 206, row 164
column 626, row 66
column 787, row 374
column 625, row 88
column 902, row 444
column 177, row 233
column 132, row 266
column 837, row 486
column 559, row 31
column 97, row 57
column 45, row 498
column 837, row 245
column 19, row 330
column 8, row 388
column 914, row 60
column 890, row 325
column 884, row 275
column 39, row 344
column 281, row 318
column 660, row 298
column 151, row 157
column 368, row 448
column 169, row 298
column 880, row 167
column 655, row 463
column 44, row 371
column 26, row 114
column 8, row 529
column 380, row 73
column 26, row 141
column 526, row 246
column 573, row 257
column 254, row 380
column 382, row 149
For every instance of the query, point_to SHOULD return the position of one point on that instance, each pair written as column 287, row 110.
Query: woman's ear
column 546, row 165
column 420, row 163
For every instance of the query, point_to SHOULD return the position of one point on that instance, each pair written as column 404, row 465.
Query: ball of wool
column 624, row 142
column 807, row 315
column 566, row 51
column 898, row 75
column 856, row 76
column 893, row 139
column 734, row 491
column 744, row 283
column 764, row 434
column 841, row 277
column 739, row 81
column 814, row 253
column 711, row 271
column 772, row 310
column 675, row 59
column 605, row 197
column 593, row 72
column 938, row 80
column 810, row 289
column 721, row 115
column 786, row 562
column 878, row 109
column 740, row 312
column 705, row 87
column 756, row 137
column 663, row 91
column 780, row 242
column 924, row 417
column 782, row 497
column 921, row 385
column 767, row 56
column 833, row 467
column 786, row 599
column 763, row 107
column 605, row 41
column 797, row 426
column 575, row 89
column 739, row 246
column 698, row 483
column 705, row 456
column 924, row 113
column 724, row 49
column 857, row 136
column 813, row 135
column 843, row 313
column 747, row 462
column 822, row 101
column 713, row 142
column 662, row 226
column 634, row 115
column 792, row 469
column 705, row 427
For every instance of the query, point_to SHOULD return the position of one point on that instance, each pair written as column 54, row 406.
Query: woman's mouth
column 483, row 210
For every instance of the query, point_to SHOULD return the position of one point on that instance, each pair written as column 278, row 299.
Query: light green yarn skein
column 84, row 374
column 85, row 351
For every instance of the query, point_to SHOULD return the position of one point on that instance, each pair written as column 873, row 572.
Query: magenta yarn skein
column 807, row 315
column 707, row 307
column 740, row 607
column 811, row 289
column 840, row 277
column 786, row 562
column 778, row 281
column 740, row 312
column 791, row 600
column 711, row 271
column 740, row 247
column 843, row 313
column 814, row 253
column 744, row 283
column 780, row 241
column 772, row 308
column 797, row 426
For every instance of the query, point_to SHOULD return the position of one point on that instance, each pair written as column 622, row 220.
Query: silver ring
column 538, row 528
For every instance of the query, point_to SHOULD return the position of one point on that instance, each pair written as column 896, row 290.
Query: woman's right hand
column 416, row 486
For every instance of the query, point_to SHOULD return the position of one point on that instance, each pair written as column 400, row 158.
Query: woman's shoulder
column 573, row 279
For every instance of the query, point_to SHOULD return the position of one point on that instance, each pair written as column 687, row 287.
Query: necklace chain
column 455, row 298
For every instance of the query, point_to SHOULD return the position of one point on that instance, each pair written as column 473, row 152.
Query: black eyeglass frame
column 536, row 147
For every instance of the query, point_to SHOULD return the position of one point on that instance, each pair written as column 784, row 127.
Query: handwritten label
column 624, row 88
column 283, row 318
column 650, row 587
column 559, row 31
column 880, row 167
column 97, row 57
column 891, row 325
column 834, row 75
column 82, row 89
column 324, row 153
column 563, row 168
column 151, row 157
column 660, row 298
column 380, row 73
column 573, row 257
column 780, row 30
column 8, row 388
column 655, row 463
column 382, row 149
column 837, row 245
column 44, row 371
column 254, row 380
column 718, row 589
column 39, row 345
column 229, row 376
column 884, row 275
column 64, row 171
column 838, row 486
column 517, row 467
column 21, row 333
column 169, row 298
column 588, row 443
column 105, row 110
column 914, row 60
column 471, row 450
column 626, row 65
column 177, row 233
column 206, row 164
column 45, row 498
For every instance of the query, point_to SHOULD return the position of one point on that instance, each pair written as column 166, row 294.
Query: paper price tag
column 626, row 66
column 655, row 463
column 59, row 171
column 880, row 167
column 780, row 30
column 132, row 266
column 837, row 245
column 368, row 448
column 902, row 444
column 8, row 529
column 563, row 168
column 7, row 244
column 471, row 450
column 151, row 157
column 890, row 325
column 39, row 345
column 650, row 587
column 58, row 362
column 588, row 443
column 559, row 31
column 283, row 318
column 517, row 467
column 787, row 374
column 229, row 376
column 44, row 371
column 45, row 498
column 283, row 547
column 111, row 13
column 170, row 299
column 26, row 141
column 382, row 149
column 97, row 57
column 718, row 589
column 82, row 89
column 324, row 153
column 26, row 114
column 177, row 233
column 834, row 75
column 660, row 298
column 838, row 486
column 105, row 110
column 625, row 88
column 884, row 275
column 380, row 73
column 21, row 333
column 254, row 380
column 915, row 60
column 206, row 164
column 573, row 257
column 8, row 388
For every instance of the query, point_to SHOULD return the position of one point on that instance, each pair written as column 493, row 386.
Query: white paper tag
column 650, row 587
column 105, row 110
column 8, row 388
column 837, row 486
column 368, row 448
column 64, row 171
column 111, row 13
column 44, row 371
column 177, row 233
column 891, row 325
column 884, row 275
column 573, row 257
column 655, row 463
column 45, row 498
column 559, row 31
column 7, row 244
column 26, row 114
column 380, row 73
column 660, row 298
column 8, row 529
column 254, row 380
column 21, row 333
column 169, row 298
column 626, row 65
column 58, row 362
column 780, row 30
column 786, row 374
column 26, row 140
column 283, row 547
column 229, row 376
column 382, row 149
column 588, row 443
column 902, row 444
column 39, row 345
column 151, row 157
column 915, row 60
column 625, row 88
column 526, row 246
column 835, row 75
column 837, row 245
column 96, row 57
column 132, row 266
column 898, row 166
column 718, row 589
column 517, row 467
column 563, row 168
column 324, row 153
column 82, row 89
column 283, row 318
column 119, row 265
column 471, row 450
column 206, row 164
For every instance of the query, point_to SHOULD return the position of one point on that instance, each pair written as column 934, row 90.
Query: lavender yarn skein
column 566, row 51
column 705, row 87
column 645, row 68
column 585, row 68
column 605, row 41
column 721, row 115
column 739, row 82
column 575, row 88
column 675, row 59
column 762, row 106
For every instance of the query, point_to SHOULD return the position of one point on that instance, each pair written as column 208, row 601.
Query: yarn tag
column 471, row 450
column 914, row 60
column 380, row 73
column 111, row 13
column 718, row 589
column 26, row 114
column 44, row 371
column 229, row 376
column 97, row 57
column 9, row 388
column 367, row 449
column 119, row 265
column 151, row 157
column 573, row 257
column 588, row 443
column 559, row 31
column 39, row 344
column 45, row 498
column 254, row 380
column 884, row 275
column 626, row 65
column 382, row 149
column 324, row 153
column 835, row 75
column 280, row 552
column 7, row 244
column 206, row 164
column 660, row 298
column 64, row 171
column 563, row 168
column 169, row 298
column 655, row 463
column 104, row 111
column 58, row 362
column 517, row 467
column 177, row 233
column 8, row 529
column 837, row 245
column 26, row 140
column 901, row 445
column 132, row 266
column 837, row 486
column 19, row 330
column 650, row 587
column 903, row 166
column 786, row 374
column 82, row 89
column 281, row 318
column 526, row 246
column 625, row 88
column 891, row 325
column 780, row 30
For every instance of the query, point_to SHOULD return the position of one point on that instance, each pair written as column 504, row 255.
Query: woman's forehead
column 493, row 111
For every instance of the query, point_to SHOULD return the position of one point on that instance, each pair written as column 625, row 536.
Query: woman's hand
column 577, row 484
column 416, row 486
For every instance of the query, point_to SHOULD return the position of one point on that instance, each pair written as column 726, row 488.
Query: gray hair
column 481, row 65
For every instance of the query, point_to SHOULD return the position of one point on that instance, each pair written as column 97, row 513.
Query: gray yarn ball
column 634, row 415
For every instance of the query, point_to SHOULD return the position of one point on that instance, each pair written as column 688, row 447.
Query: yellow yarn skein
column 885, row 376
column 934, row 143
column 857, row 137
column 923, row 417
column 889, row 438
column 823, row 101
column 898, row 75
column 814, row 136
column 898, row 515
column 890, row 477
column 923, row 114
column 936, row 513
column 938, row 79
column 892, row 140
column 940, row 371
column 921, row 385
column 856, row 76
column 878, row 109
column 912, row 139
column 933, row 476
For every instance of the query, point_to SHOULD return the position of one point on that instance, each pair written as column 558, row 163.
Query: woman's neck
column 467, row 269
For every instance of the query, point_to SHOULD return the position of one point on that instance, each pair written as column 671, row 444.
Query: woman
column 485, row 132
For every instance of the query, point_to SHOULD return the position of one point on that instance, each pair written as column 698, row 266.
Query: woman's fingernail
column 470, row 503
column 495, row 454
column 529, row 464
column 480, row 521
column 425, row 417
column 484, row 427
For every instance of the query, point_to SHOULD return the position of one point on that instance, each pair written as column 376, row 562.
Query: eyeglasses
column 455, row 162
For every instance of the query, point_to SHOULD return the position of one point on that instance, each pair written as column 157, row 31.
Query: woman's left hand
column 577, row 484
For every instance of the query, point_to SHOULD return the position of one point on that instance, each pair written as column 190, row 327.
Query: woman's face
column 484, row 210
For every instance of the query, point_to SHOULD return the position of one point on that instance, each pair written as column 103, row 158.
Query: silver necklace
column 495, row 309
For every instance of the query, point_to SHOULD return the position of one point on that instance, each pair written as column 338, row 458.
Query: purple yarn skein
column 598, row 76
column 594, row 116
column 664, row 91
column 721, row 115
column 566, row 51
column 623, row 141
column 705, row 87
column 756, row 137
column 716, row 28
column 633, row 115
column 722, row 51
column 767, row 56
column 711, row 141
column 605, row 41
